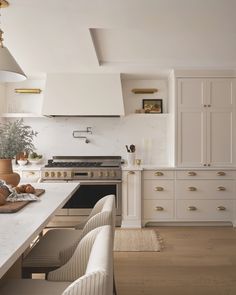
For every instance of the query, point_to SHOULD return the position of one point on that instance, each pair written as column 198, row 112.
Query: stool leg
column 114, row 286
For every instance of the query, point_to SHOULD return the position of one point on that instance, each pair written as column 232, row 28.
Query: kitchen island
column 19, row 229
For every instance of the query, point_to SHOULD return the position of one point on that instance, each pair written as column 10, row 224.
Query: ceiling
column 127, row 36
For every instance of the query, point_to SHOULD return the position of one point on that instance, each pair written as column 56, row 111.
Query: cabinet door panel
column 191, row 138
column 220, row 138
column 220, row 93
column 191, row 93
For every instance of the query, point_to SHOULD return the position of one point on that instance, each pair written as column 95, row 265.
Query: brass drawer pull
column 221, row 208
column 220, row 173
column 192, row 208
column 158, row 173
column 221, row 188
column 192, row 188
column 159, row 208
column 159, row 189
column 192, row 173
column 131, row 172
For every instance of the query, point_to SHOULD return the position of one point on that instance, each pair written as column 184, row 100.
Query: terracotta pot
column 7, row 174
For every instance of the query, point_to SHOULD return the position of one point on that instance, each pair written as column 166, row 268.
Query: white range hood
column 75, row 94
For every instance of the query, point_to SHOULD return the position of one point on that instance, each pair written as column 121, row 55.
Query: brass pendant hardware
column 220, row 173
column 192, row 188
column 158, row 173
column 221, row 208
column 221, row 188
column 131, row 172
column 192, row 173
column 158, row 208
column 28, row 90
column 159, row 189
column 144, row 90
column 192, row 208
column 4, row 4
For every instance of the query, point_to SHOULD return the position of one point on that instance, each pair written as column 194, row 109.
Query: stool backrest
column 104, row 217
column 91, row 266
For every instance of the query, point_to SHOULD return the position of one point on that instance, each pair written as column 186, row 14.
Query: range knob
column 100, row 174
column 46, row 174
column 90, row 174
column 64, row 174
column 113, row 174
column 52, row 174
column 58, row 174
column 106, row 174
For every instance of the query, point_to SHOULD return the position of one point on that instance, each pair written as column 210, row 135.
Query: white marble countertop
column 28, row 167
column 18, row 229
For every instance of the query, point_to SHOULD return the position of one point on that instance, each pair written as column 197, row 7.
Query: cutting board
column 10, row 207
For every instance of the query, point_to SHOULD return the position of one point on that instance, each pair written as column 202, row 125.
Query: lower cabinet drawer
column 205, row 210
column 158, row 189
column 30, row 176
column 202, row 189
column 158, row 209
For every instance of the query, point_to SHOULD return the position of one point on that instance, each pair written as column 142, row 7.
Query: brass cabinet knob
column 159, row 173
column 192, row 208
column 208, row 164
column 221, row 208
column 192, row 188
column 159, row 208
column 205, row 105
column 159, row 189
column 220, row 173
column 192, row 173
column 221, row 188
column 209, row 105
column 204, row 165
column 131, row 172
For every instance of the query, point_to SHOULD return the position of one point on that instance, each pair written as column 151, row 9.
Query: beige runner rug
column 137, row 240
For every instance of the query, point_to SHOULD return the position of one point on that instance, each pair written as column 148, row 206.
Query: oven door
column 89, row 192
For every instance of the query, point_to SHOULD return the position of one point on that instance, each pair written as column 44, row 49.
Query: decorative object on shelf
column 10, row 71
column 28, row 90
column 76, row 134
column 152, row 106
column 15, row 137
column 130, row 154
column 144, row 90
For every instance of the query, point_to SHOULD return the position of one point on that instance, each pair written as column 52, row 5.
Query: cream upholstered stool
column 89, row 271
column 57, row 246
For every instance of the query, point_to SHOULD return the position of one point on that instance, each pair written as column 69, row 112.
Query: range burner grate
column 73, row 164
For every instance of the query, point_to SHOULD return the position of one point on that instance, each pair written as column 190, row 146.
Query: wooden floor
column 195, row 260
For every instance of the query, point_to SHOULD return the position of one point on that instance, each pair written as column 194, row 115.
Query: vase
column 130, row 159
column 7, row 174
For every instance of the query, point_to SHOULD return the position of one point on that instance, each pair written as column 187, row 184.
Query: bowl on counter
column 22, row 162
column 36, row 161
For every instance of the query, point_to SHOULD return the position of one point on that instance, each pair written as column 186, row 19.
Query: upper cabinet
column 19, row 99
column 74, row 94
column 205, row 122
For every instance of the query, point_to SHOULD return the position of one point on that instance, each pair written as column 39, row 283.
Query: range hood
column 75, row 94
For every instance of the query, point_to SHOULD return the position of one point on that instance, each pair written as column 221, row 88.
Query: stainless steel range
column 98, row 176
column 82, row 168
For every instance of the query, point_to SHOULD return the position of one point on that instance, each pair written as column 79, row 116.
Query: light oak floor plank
column 195, row 260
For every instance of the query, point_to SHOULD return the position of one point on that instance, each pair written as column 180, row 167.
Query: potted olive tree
column 15, row 137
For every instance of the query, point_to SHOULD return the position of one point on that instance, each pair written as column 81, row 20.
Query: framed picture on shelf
column 152, row 106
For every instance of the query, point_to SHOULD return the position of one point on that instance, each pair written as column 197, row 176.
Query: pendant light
column 10, row 71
